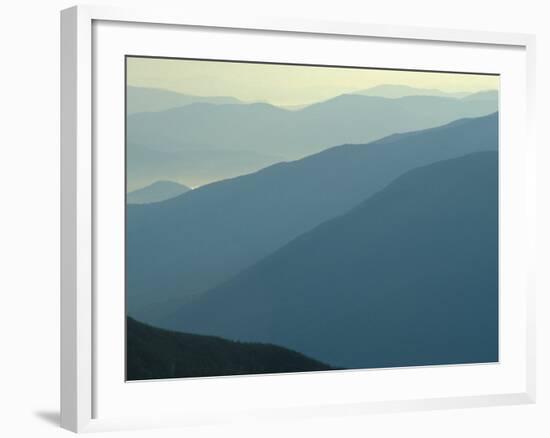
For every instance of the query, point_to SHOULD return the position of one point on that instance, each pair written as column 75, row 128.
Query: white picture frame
column 82, row 371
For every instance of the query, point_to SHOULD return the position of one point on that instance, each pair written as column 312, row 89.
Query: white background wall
column 29, row 218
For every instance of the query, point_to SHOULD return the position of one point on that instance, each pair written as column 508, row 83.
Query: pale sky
column 285, row 84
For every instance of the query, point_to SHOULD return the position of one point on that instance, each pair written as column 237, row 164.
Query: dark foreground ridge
column 154, row 353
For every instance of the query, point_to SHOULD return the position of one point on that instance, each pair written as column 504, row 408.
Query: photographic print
column 295, row 218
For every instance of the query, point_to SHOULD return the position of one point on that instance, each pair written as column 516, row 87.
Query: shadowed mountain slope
column 186, row 245
column 408, row 277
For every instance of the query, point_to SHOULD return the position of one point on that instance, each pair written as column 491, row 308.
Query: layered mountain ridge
column 407, row 277
column 208, row 142
column 180, row 248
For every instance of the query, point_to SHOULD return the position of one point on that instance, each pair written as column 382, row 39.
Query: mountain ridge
column 290, row 135
column 184, row 246
column 395, row 91
column 150, row 99
column 408, row 277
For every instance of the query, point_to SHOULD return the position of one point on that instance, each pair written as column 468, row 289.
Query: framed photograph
column 282, row 218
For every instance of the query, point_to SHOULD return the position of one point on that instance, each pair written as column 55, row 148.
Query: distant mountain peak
column 483, row 95
column 144, row 99
column 395, row 91
column 167, row 183
column 156, row 192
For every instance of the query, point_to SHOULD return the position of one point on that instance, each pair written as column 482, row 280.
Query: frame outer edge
column 68, row 220
column 76, row 219
column 180, row 16
column 531, row 144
